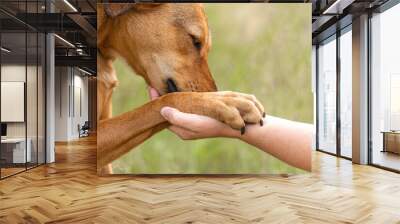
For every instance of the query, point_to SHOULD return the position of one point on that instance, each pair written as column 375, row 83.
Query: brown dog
column 166, row 44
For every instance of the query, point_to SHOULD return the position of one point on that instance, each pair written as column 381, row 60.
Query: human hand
column 192, row 126
column 286, row 140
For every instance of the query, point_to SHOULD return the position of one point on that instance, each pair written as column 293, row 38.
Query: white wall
column 16, row 73
column 80, row 109
column 62, row 81
column 71, row 94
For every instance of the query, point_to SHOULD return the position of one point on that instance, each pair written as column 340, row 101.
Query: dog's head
column 167, row 44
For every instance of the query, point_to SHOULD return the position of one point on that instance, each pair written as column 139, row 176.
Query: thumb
column 169, row 113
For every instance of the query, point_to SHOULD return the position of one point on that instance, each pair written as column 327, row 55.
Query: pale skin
column 286, row 140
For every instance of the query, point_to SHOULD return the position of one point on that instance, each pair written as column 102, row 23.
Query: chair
column 84, row 130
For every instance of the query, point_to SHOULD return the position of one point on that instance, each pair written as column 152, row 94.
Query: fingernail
column 243, row 130
column 264, row 114
column 261, row 122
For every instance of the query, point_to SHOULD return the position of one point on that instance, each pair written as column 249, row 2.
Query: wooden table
column 391, row 141
column 13, row 150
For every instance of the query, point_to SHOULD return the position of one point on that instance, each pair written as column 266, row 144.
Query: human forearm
column 286, row 140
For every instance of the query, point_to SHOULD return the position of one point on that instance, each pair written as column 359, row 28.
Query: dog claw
column 263, row 114
column 261, row 122
column 243, row 130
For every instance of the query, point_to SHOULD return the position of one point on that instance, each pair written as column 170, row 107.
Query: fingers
column 181, row 119
column 183, row 133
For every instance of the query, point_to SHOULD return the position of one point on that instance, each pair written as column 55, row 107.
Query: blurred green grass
column 262, row 49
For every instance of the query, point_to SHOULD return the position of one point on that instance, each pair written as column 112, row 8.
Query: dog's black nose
column 171, row 86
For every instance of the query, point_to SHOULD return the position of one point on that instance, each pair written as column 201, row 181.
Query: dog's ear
column 116, row 9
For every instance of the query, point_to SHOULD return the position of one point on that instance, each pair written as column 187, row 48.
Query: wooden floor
column 10, row 171
column 387, row 159
column 69, row 191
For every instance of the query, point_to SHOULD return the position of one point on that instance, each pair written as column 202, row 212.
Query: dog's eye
column 196, row 42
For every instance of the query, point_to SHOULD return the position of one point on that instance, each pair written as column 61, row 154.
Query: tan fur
column 156, row 40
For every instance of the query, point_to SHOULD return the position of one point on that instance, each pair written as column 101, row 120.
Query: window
column 327, row 95
column 14, row 147
column 385, row 89
column 22, row 77
column 346, row 92
column 395, row 102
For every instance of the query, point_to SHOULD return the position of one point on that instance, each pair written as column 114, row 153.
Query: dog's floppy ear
column 116, row 9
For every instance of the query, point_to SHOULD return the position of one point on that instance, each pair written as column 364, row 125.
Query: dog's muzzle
column 171, row 86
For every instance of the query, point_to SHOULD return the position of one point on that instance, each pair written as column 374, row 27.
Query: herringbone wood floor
column 69, row 191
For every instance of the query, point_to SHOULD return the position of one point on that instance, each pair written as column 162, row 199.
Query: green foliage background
column 262, row 49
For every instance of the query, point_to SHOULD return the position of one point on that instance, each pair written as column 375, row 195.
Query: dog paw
column 239, row 109
column 232, row 108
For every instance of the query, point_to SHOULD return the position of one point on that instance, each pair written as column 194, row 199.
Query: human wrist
column 250, row 130
column 229, row 132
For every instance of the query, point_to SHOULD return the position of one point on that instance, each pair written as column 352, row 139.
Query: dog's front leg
column 119, row 134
